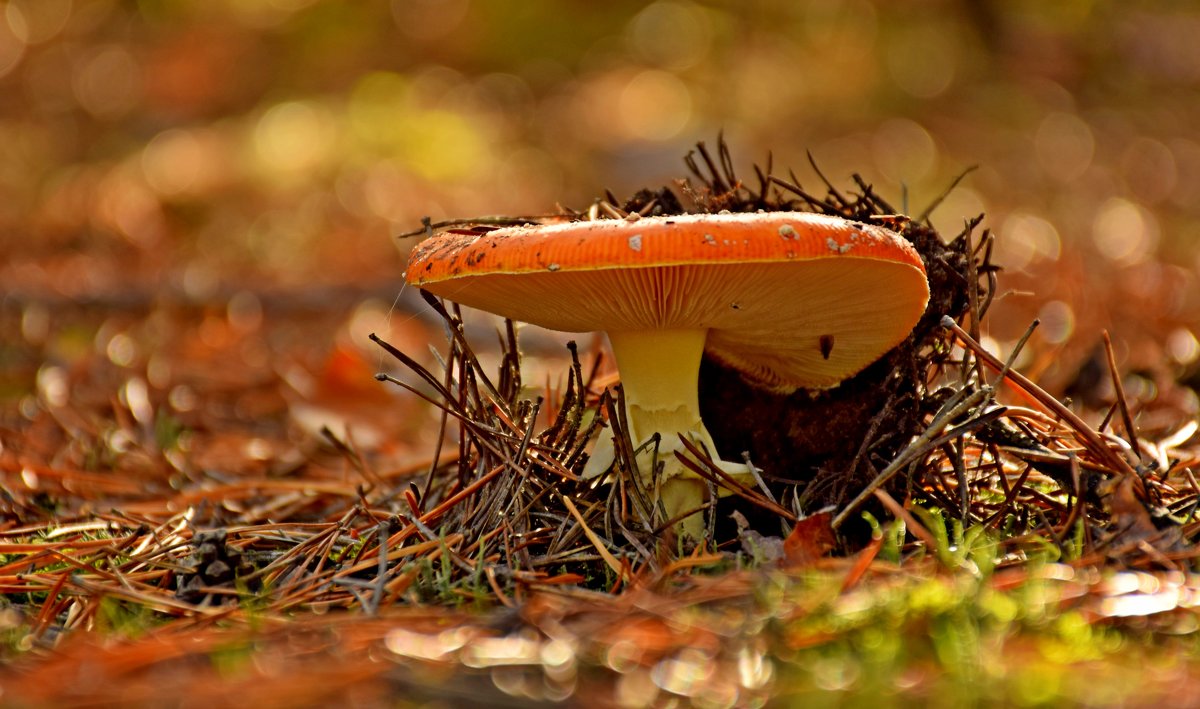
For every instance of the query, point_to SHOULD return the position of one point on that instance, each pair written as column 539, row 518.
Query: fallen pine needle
column 605, row 554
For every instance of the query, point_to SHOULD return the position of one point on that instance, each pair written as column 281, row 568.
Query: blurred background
column 176, row 174
column 200, row 202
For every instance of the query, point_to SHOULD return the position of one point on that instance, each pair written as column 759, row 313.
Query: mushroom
column 791, row 300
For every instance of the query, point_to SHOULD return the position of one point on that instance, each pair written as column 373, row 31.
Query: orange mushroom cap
column 791, row 299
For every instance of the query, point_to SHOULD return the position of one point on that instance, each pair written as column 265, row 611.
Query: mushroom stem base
column 660, row 372
column 680, row 495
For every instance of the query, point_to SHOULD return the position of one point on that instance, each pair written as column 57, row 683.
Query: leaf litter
column 250, row 562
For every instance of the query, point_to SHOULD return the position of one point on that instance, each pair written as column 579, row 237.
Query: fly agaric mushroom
column 792, row 300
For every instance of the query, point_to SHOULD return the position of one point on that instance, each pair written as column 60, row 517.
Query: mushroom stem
column 660, row 371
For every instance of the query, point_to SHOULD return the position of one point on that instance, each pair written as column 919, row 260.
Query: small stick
column 828, row 185
column 757, row 473
column 1119, row 387
column 428, row 226
column 605, row 554
column 945, row 193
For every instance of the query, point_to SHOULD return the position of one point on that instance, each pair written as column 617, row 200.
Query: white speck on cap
column 635, row 242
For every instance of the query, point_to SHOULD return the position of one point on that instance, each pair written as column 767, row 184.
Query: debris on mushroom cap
column 772, row 289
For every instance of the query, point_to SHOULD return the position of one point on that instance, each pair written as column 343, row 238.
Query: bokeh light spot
column 12, row 48
column 383, row 189
column 635, row 689
column 1186, row 154
column 684, row 673
column 1064, row 146
column 1057, row 322
column 180, row 161
column 375, row 102
column 923, row 59
column 388, row 119
column 108, row 83
column 1124, row 232
column 670, row 34
column 183, row 398
column 443, row 145
column 35, row 323
column 293, row 138
column 1024, row 239
column 121, row 350
column 53, row 385
column 655, row 105
column 34, row 21
column 128, row 207
column 904, row 150
column 1149, row 169
column 1182, row 346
